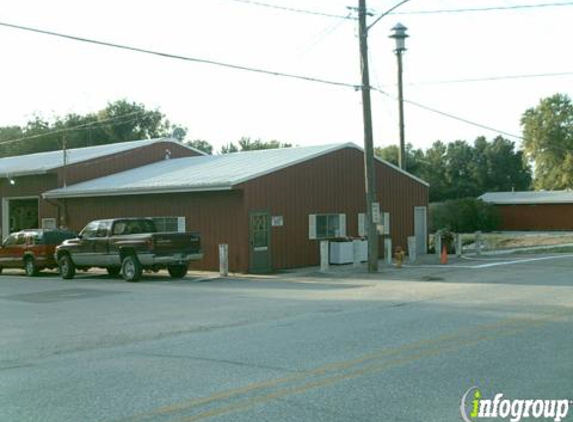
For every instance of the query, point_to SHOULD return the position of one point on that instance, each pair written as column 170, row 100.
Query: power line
column 122, row 119
column 226, row 65
column 451, row 116
column 178, row 57
column 322, row 35
column 484, row 9
column 387, row 12
column 292, row 9
column 493, row 78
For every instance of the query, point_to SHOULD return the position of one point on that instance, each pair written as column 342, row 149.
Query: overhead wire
column 484, row 9
column 232, row 66
column 292, row 9
column 492, row 78
column 124, row 118
column 179, row 57
column 449, row 115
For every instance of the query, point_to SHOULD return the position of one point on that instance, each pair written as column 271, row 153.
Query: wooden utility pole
column 65, row 160
column 369, row 171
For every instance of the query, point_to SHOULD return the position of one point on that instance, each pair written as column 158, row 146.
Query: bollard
column 478, row 243
column 324, row 257
column 458, row 245
column 412, row 252
column 388, row 250
column 223, row 260
column 438, row 243
column 356, row 253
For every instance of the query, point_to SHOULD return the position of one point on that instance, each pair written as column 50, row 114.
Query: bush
column 464, row 216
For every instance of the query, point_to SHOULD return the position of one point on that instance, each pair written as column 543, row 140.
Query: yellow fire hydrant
column 399, row 256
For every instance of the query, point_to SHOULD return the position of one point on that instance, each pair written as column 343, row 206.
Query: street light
column 399, row 34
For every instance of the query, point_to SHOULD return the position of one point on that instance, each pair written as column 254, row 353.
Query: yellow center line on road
column 367, row 370
column 257, row 387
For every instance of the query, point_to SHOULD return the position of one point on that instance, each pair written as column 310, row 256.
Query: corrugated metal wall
column 536, row 217
column 215, row 214
column 329, row 184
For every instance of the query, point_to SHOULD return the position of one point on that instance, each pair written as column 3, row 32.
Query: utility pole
column 369, row 171
column 65, row 160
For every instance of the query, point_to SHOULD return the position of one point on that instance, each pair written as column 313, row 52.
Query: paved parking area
column 404, row 344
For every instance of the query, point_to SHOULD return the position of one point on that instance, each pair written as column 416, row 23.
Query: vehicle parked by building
column 128, row 246
column 32, row 249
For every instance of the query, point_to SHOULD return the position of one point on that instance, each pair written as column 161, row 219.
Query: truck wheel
column 131, row 268
column 30, row 267
column 113, row 271
column 67, row 267
column 177, row 271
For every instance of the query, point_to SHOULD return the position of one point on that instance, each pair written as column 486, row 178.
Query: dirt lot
column 515, row 240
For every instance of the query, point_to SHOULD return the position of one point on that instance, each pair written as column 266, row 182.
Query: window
column 169, row 224
column 363, row 230
column 90, row 230
column 48, row 223
column 326, row 226
column 21, row 239
column 103, row 228
column 10, row 240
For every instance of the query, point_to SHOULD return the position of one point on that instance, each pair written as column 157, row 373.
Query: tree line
column 454, row 170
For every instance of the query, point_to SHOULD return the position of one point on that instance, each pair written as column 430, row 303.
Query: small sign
column 277, row 221
column 376, row 213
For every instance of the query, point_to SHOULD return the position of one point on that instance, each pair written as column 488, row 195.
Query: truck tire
column 30, row 267
column 67, row 267
column 177, row 271
column 131, row 268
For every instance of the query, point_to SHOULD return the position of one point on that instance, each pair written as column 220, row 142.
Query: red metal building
column 23, row 179
column 541, row 210
column 271, row 207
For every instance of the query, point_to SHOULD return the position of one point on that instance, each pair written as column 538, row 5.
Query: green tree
column 248, row 144
column 414, row 157
column 201, row 145
column 434, row 171
column 120, row 121
column 548, row 141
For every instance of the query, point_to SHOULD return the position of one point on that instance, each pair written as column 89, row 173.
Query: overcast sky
column 53, row 77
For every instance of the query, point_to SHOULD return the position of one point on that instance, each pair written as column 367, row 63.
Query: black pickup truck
column 128, row 246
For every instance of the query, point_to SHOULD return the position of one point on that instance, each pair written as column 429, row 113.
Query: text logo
column 474, row 406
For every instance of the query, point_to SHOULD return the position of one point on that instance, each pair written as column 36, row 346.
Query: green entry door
column 260, row 242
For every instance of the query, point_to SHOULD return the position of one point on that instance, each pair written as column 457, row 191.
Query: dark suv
column 33, row 249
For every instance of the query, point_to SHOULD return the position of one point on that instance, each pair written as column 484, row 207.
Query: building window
column 327, row 226
column 384, row 224
column 169, row 224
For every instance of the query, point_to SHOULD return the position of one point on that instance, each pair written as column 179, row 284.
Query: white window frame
column 163, row 222
column 312, row 226
column 363, row 230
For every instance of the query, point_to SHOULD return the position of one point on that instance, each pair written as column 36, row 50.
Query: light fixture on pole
column 399, row 35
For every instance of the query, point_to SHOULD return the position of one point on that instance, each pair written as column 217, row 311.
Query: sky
column 52, row 77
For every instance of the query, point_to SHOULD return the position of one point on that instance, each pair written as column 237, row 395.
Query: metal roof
column 529, row 197
column 43, row 162
column 191, row 174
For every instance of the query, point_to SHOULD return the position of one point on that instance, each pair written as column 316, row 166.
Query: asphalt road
column 398, row 346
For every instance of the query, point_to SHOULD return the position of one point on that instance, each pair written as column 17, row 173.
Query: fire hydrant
column 399, row 256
